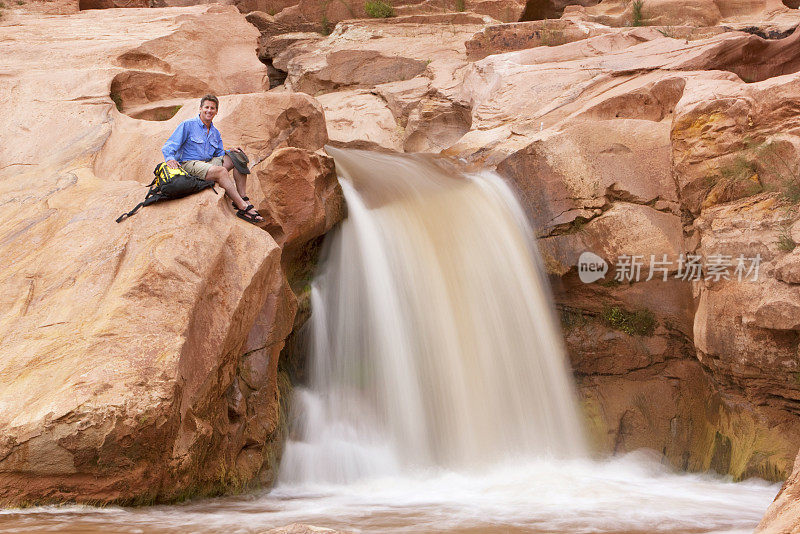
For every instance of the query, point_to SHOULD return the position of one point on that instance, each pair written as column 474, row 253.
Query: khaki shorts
column 199, row 168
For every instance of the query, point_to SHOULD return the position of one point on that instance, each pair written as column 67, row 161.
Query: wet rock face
column 141, row 366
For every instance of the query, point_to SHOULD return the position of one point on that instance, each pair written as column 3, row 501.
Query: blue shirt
column 189, row 141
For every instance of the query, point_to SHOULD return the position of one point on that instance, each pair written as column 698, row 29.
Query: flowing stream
column 439, row 399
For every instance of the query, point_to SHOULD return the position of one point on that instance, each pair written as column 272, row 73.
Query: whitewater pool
column 630, row 494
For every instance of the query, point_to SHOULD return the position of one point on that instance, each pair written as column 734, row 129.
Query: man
column 197, row 145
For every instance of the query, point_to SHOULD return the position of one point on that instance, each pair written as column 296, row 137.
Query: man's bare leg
column 220, row 175
column 239, row 179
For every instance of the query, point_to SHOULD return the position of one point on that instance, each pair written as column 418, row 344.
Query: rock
column 359, row 114
column 50, row 7
column 787, row 269
column 365, row 53
column 299, row 528
column 624, row 230
column 502, row 10
column 782, row 515
column 400, row 64
column 550, row 9
column 435, row 124
column 285, row 46
column 151, row 399
column 352, row 68
column 299, row 194
column 402, row 97
column 743, row 329
column 107, row 4
column 691, row 13
column 509, row 37
column 260, row 20
column 136, row 400
column 151, row 75
column 307, row 15
column 587, row 165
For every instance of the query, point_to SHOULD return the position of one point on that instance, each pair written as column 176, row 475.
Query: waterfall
column 433, row 342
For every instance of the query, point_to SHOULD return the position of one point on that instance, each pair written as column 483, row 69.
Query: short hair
column 212, row 98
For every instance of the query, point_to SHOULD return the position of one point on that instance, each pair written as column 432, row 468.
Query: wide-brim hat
column 239, row 159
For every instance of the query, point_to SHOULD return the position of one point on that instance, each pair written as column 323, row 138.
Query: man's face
column 207, row 111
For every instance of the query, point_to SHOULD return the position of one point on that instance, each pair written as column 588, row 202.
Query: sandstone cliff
column 140, row 359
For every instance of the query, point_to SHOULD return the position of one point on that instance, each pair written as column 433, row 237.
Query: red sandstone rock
column 124, row 377
column 509, row 37
column 299, row 194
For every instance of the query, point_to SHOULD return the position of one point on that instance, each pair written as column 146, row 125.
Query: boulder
column 167, row 384
column 782, row 515
column 300, row 196
column 361, row 115
column 735, row 140
column 134, row 408
column 577, row 171
column 435, row 124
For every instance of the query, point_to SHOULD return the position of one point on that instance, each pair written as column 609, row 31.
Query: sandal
column 252, row 217
column 246, row 199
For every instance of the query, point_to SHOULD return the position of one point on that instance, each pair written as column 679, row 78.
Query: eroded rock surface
column 140, row 359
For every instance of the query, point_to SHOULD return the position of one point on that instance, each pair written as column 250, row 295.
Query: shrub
column 785, row 241
column 638, row 323
column 378, row 9
column 117, row 101
column 461, row 5
column 326, row 26
column 638, row 17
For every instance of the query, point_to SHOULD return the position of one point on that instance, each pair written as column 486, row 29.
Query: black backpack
column 170, row 183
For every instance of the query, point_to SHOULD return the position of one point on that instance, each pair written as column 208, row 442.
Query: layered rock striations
column 140, row 359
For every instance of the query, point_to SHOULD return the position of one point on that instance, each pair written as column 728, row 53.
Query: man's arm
column 173, row 144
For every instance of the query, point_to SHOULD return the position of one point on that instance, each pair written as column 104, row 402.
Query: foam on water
column 631, row 494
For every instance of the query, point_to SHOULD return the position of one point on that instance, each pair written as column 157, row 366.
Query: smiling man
column 196, row 146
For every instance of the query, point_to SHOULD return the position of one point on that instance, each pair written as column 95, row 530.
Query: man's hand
column 172, row 164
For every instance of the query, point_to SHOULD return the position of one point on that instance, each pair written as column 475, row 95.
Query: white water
column 626, row 495
column 434, row 342
column 439, row 399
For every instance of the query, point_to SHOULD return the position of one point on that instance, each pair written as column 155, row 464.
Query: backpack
column 170, row 183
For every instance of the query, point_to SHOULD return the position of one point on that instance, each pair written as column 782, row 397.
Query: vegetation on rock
column 378, row 9
column 638, row 17
column 637, row 323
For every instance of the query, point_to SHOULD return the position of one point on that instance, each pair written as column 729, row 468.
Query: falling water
column 433, row 337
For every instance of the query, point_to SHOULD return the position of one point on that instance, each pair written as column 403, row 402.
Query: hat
column 240, row 160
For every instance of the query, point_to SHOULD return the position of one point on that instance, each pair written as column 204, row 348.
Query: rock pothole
column 550, row 9
column 153, row 96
